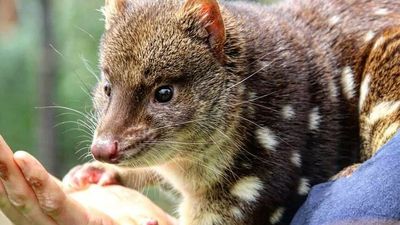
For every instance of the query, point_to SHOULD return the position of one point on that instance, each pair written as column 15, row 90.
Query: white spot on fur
column 237, row 213
column 382, row 110
column 381, row 12
column 348, row 83
column 241, row 89
column 267, row 138
column 277, row 215
column 252, row 95
column 211, row 219
column 315, row 119
column 288, row 112
column 334, row 20
column 364, row 90
column 296, row 159
column 379, row 42
column 369, row 36
column 333, row 90
column 304, row 186
column 247, row 189
column 246, row 165
column 391, row 130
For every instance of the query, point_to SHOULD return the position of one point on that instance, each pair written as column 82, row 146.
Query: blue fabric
column 370, row 196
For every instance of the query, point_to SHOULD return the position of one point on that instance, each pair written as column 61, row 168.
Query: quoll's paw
column 82, row 176
column 346, row 172
column 149, row 222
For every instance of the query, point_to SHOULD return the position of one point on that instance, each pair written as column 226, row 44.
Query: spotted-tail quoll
column 242, row 107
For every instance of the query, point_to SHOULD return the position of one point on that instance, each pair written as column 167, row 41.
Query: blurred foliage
column 78, row 26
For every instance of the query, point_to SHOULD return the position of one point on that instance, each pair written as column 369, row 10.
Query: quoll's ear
column 113, row 9
column 207, row 14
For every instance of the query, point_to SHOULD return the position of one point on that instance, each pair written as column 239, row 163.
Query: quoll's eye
column 164, row 94
column 107, row 89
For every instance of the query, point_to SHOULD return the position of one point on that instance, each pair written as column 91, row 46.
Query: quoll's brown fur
column 378, row 68
column 379, row 104
column 253, row 125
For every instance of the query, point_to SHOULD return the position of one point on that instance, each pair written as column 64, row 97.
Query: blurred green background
column 75, row 28
column 48, row 61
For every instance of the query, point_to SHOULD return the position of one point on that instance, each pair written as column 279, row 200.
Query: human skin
column 29, row 195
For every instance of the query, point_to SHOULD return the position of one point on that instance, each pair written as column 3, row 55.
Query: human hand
column 126, row 206
column 29, row 195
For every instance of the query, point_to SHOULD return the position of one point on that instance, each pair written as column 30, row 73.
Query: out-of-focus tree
column 46, row 91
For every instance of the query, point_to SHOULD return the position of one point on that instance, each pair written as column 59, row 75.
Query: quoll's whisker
column 89, row 68
column 256, row 98
column 177, row 124
column 85, row 31
column 64, row 108
column 253, row 74
column 175, row 142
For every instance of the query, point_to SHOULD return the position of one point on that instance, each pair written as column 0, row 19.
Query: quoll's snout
column 105, row 150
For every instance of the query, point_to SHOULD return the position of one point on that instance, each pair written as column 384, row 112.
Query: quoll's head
column 164, row 80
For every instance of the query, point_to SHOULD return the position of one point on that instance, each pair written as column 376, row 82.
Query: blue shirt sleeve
column 371, row 195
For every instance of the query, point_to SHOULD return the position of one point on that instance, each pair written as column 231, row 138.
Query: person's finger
column 19, row 194
column 52, row 199
column 56, row 180
column 8, row 210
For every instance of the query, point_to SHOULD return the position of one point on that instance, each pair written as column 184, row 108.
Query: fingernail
column 20, row 154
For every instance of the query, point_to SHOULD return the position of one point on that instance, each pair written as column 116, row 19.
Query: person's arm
column 30, row 195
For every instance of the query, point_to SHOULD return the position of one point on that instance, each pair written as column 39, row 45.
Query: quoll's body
column 243, row 107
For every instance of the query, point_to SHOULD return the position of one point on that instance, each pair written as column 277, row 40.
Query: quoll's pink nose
column 105, row 150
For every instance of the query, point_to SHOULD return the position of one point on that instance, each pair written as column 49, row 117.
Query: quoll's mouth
column 110, row 150
column 135, row 148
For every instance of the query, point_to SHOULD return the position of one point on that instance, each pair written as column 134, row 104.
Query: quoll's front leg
column 105, row 174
